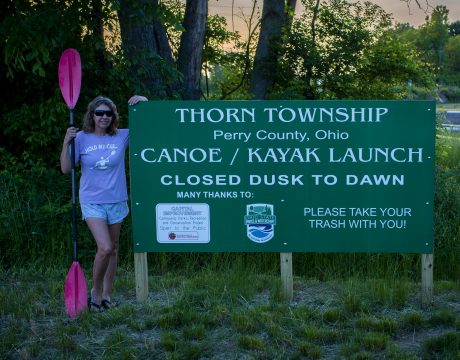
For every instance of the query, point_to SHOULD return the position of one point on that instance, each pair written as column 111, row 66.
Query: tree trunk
column 191, row 47
column 273, row 19
column 161, row 39
column 146, row 44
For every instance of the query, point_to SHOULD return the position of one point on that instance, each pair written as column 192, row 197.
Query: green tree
column 451, row 67
column 33, row 118
column 126, row 47
column 432, row 37
column 454, row 28
column 344, row 50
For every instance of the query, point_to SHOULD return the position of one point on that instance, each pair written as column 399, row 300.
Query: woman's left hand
column 133, row 100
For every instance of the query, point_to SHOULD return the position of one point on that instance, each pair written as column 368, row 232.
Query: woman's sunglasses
column 108, row 113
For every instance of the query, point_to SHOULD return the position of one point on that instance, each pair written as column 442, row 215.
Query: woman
column 100, row 148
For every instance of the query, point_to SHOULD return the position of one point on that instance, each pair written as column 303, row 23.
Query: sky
column 399, row 9
column 415, row 16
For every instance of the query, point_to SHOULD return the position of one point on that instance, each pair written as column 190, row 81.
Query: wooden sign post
column 427, row 279
column 286, row 276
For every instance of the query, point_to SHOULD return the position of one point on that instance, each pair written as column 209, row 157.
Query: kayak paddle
column 70, row 82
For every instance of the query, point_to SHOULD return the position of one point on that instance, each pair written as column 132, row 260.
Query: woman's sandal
column 93, row 307
column 107, row 304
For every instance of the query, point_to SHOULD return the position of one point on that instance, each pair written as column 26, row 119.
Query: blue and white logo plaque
column 260, row 222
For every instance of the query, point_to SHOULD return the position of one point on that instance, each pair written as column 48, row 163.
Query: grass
column 225, row 314
column 447, row 107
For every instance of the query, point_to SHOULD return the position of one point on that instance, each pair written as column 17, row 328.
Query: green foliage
column 451, row 92
column 447, row 202
column 32, row 36
column 437, row 44
column 452, row 55
column 433, row 36
column 35, row 217
column 214, row 54
column 450, row 73
column 454, row 28
column 352, row 54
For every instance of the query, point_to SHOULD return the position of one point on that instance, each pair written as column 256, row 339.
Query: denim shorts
column 112, row 213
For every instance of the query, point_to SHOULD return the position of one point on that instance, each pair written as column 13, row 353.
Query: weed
column 319, row 335
column 443, row 286
column 274, row 330
column 349, row 348
column 250, row 342
column 32, row 350
column 305, row 313
column 194, row 332
column 446, row 346
column 374, row 341
column 135, row 324
column 176, row 316
column 244, row 322
column 309, row 350
column 352, row 304
column 443, row 317
column 194, row 350
column 385, row 325
column 115, row 316
column 412, row 320
column 149, row 323
column 117, row 341
column 65, row 343
column 169, row 341
column 394, row 352
column 375, row 292
column 362, row 355
column 332, row 315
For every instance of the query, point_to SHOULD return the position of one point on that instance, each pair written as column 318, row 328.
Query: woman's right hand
column 70, row 134
column 133, row 100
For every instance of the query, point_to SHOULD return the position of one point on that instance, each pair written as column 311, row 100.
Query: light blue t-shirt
column 102, row 158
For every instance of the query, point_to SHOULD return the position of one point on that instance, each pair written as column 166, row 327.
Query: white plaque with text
column 183, row 223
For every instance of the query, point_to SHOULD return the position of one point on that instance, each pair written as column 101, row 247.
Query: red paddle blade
column 75, row 290
column 70, row 76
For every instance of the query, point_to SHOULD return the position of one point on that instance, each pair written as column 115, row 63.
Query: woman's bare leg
column 105, row 247
column 109, row 277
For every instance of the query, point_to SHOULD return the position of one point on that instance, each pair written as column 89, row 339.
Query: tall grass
column 229, row 314
column 35, row 229
column 447, row 204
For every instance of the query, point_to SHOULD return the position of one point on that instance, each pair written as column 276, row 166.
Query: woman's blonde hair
column 88, row 119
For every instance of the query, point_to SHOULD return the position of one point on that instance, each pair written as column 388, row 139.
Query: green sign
column 282, row 176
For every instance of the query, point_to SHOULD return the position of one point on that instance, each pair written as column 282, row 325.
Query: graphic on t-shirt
column 102, row 164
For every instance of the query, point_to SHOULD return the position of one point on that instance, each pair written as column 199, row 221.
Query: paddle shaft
column 69, row 73
column 74, row 192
